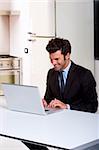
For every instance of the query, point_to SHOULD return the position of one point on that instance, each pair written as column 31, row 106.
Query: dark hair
column 59, row 44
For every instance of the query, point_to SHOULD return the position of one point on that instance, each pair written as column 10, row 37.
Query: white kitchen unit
column 36, row 18
column 42, row 27
column 74, row 21
column 42, row 17
column 40, row 63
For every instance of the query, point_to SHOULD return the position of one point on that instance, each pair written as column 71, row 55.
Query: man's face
column 59, row 61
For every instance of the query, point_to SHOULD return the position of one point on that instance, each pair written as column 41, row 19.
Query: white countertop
column 3, row 101
column 66, row 129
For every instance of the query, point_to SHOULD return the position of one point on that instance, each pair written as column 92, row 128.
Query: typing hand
column 57, row 103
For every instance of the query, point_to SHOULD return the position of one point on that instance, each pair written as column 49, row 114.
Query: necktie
column 61, row 81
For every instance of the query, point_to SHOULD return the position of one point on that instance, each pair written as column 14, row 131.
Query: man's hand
column 57, row 103
column 44, row 103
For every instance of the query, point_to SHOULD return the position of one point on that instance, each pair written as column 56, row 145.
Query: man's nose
column 54, row 62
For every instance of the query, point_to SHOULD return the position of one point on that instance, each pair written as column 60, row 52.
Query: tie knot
column 61, row 72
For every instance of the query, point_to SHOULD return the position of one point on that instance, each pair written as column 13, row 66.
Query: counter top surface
column 65, row 129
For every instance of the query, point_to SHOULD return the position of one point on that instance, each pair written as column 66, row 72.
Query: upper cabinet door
column 42, row 17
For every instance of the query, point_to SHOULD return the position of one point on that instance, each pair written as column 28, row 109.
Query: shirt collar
column 67, row 68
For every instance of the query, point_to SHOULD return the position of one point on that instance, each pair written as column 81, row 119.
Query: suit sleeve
column 48, row 94
column 88, row 101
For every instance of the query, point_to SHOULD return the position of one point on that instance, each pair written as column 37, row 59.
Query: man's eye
column 56, row 59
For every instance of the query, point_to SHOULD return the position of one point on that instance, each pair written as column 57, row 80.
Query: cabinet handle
column 31, row 40
column 41, row 36
column 33, row 35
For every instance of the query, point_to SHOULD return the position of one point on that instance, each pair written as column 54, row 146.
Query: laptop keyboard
column 51, row 109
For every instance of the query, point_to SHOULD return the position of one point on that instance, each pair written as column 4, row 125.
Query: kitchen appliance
column 10, row 70
column 29, row 35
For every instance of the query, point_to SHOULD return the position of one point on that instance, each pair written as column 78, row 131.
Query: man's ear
column 67, row 56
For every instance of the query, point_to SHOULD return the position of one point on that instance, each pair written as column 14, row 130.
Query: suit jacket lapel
column 70, row 78
column 56, row 83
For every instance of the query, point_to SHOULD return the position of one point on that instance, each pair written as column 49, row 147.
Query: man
column 76, row 91
column 79, row 91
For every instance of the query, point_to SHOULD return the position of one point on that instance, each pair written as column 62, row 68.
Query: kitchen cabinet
column 36, row 64
column 42, row 26
column 35, row 17
column 42, row 17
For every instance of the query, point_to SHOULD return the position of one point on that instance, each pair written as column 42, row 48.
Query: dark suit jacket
column 80, row 90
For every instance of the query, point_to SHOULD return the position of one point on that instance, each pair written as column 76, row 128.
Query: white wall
column 74, row 20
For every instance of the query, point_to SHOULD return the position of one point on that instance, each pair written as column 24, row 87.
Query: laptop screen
column 23, row 98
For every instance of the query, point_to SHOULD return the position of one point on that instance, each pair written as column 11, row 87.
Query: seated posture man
column 69, row 86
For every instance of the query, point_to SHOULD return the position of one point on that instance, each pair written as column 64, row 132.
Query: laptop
column 25, row 98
